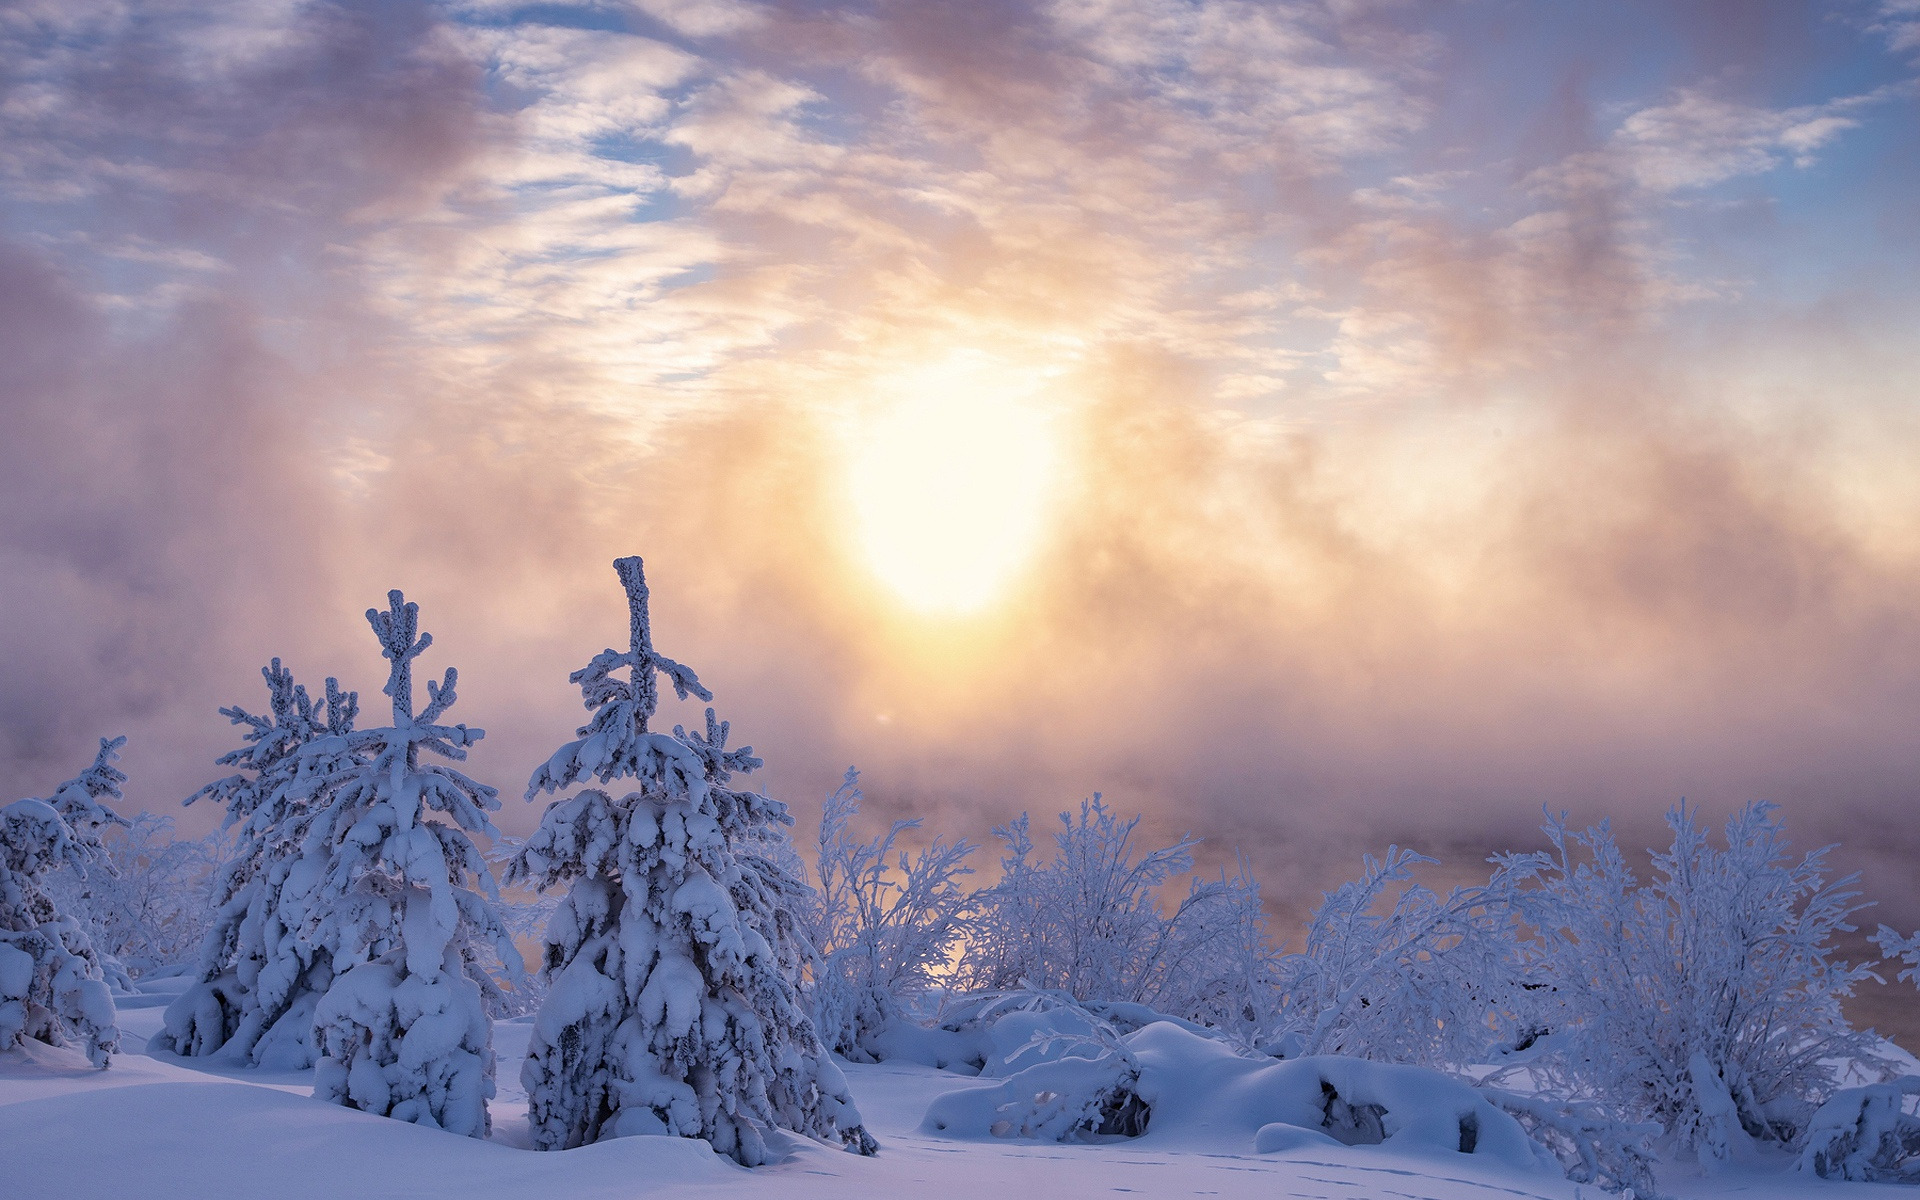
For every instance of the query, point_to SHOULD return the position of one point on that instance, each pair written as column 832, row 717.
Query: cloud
column 1898, row 21
column 1698, row 140
column 1413, row 482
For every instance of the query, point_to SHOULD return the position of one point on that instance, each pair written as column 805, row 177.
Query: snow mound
column 1186, row 1091
column 219, row 1140
column 1865, row 1133
column 980, row 1035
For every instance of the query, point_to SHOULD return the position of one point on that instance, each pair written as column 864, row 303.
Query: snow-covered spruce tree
column 50, row 980
column 259, row 977
column 79, row 803
column 403, row 1029
column 672, row 1008
column 886, row 926
column 1707, row 1000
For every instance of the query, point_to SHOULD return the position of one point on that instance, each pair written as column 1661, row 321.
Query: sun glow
column 949, row 484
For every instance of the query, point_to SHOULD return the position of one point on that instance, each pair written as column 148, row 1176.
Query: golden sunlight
column 949, row 484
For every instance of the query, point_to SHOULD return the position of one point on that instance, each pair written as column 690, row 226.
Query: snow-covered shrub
column 887, row 925
column 1221, row 967
column 50, row 981
column 1432, row 980
column 388, row 892
column 1166, row 1083
column 259, row 975
column 150, row 907
column 981, row 1032
column 1089, row 923
column 1866, row 1133
column 1708, row 1000
column 673, row 1006
column 1592, row 1147
column 526, row 915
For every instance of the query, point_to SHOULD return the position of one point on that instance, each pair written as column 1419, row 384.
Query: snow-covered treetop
column 78, row 799
column 615, row 741
column 273, row 740
column 401, row 641
column 594, row 682
column 395, row 751
column 371, row 794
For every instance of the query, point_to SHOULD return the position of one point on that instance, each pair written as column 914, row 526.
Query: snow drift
column 1168, row 1085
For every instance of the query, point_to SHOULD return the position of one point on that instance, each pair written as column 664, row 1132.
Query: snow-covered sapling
column 51, row 987
column 671, row 1008
column 259, row 976
column 1904, row 949
column 388, row 893
column 887, row 926
column 1866, row 1133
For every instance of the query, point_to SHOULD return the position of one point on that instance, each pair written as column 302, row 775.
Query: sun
column 950, row 481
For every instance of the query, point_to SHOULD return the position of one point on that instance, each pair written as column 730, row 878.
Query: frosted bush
column 888, row 922
column 151, row 906
column 1706, row 1001
column 1866, row 1133
column 1428, row 979
column 1089, row 922
column 1591, row 1146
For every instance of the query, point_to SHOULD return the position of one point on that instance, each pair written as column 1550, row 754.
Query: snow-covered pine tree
column 78, row 800
column 50, row 977
column 403, row 1029
column 259, row 979
column 671, row 1009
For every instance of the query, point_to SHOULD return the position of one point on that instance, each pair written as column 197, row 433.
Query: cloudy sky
column 1315, row 424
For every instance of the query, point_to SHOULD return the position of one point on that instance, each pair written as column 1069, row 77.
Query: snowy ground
column 154, row 1128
